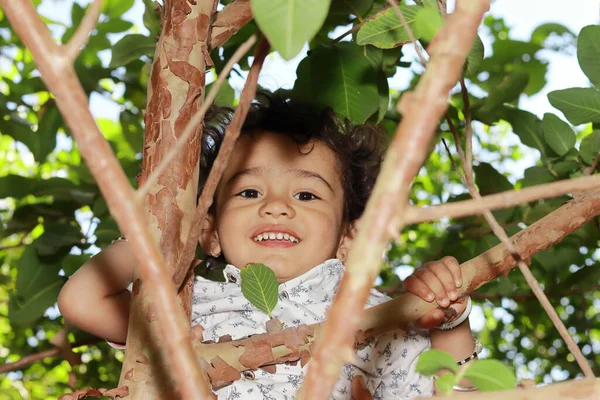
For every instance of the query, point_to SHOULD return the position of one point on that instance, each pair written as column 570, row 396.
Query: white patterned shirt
column 386, row 362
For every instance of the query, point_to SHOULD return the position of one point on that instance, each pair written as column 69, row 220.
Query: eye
column 249, row 194
column 305, row 196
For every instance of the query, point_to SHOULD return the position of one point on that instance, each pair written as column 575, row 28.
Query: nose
column 276, row 206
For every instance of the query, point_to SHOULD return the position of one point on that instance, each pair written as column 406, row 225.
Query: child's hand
column 438, row 281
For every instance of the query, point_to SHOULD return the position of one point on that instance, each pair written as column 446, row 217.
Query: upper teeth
column 275, row 236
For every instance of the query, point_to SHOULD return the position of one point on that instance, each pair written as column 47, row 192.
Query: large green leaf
column 508, row 90
column 386, row 31
column 16, row 186
column 57, row 239
column 590, row 147
column 428, row 22
column 259, row 287
column 558, row 134
column 536, row 176
column 130, row 48
column 528, row 127
column 40, row 142
column 433, row 361
column 580, row 105
column 116, row 8
column 490, row 375
column 475, row 57
column 489, row 180
column 588, row 52
column 151, row 17
column 341, row 77
column 288, row 24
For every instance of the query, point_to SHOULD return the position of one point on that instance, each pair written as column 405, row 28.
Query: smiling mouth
column 275, row 237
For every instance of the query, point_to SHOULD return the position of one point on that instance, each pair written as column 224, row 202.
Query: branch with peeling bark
column 224, row 360
column 56, row 68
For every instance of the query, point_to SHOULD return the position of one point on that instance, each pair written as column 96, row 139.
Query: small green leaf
column 508, row 90
column 490, row 375
column 445, row 383
column 558, row 134
column 580, row 105
column 433, row 361
column 428, row 22
column 475, row 57
column 24, row 311
column 588, row 53
column 130, row 48
column 288, row 24
column 114, row 26
column 528, row 127
column 151, row 17
column 116, row 8
column 386, row 31
column 590, row 147
column 489, row 180
column 537, row 176
column 259, row 287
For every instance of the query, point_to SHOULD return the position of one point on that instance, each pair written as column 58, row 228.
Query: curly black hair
column 358, row 148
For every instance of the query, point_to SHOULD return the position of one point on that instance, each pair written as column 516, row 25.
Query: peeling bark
column 229, row 21
column 175, row 93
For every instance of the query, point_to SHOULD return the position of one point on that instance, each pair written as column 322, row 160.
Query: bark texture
column 175, row 93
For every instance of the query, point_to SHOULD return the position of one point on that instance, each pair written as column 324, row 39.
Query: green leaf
column 341, row 77
column 489, row 180
column 527, row 126
column 288, row 24
column 428, row 22
column 116, row 8
column 40, row 143
column 386, row 31
column 151, row 17
column 130, row 48
column 542, row 32
column 433, row 361
column 537, row 176
column 114, row 26
column 508, row 90
column 259, row 287
column 475, row 57
column 133, row 131
column 24, row 311
column 590, row 147
column 57, row 239
column 558, row 134
column 580, row 105
column 490, row 375
column 225, row 95
column 588, row 53
column 445, row 383
column 15, row 186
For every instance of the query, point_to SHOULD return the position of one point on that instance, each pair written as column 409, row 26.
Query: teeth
column 275, row 236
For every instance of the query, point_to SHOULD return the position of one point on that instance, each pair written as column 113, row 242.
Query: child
column 297, row 181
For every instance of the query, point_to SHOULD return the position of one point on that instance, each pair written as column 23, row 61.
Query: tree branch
column 231, row 135
column 229, row 21
column 81, row 36
column 500, row 200
column 384, row 213
column 61, row 79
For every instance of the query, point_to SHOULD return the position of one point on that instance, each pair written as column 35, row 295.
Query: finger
column 416, row 286
column 197, row 332
column 443, row 273
column 435, row 285
column 454, row 267
column 431, row 319
column 359, row 389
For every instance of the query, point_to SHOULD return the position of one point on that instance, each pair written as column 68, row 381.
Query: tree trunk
column 175, row 93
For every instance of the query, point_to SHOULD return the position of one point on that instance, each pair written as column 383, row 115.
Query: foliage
column 53, row 217
column 259, row 287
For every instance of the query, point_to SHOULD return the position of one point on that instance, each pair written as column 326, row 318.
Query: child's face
column 280, row 204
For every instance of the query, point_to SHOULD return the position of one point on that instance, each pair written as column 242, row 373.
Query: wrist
column 464, row 316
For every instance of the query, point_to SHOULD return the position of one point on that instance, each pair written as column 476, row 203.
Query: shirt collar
column 332, row 267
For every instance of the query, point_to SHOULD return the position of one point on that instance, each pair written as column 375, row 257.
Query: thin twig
column 81, row 36
column 501, row 234
column 231, row 135
column 383, row 217
column 191, row 127
column 409, row 31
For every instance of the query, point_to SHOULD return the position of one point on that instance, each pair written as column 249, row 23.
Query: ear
column 209, row 238
column 346, row 241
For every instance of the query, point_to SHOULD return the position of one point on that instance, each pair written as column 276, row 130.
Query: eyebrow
column 301, row 173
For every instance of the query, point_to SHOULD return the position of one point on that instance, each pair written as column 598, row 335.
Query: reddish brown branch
column 231, row 135
column 32, row 358
column 384, row 213
column 59, row 75
column 229, row 21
